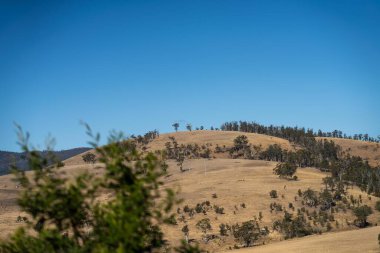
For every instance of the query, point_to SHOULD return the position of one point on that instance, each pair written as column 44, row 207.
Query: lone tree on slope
column 248, row 233
column 285, row 170
column 362, row 213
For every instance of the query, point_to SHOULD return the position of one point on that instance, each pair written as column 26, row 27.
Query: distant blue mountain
column 7, row 159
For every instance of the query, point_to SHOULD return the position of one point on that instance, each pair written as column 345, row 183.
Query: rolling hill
column 367, row 150
column 241, row 187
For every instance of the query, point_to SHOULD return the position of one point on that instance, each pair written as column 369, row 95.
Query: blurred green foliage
column 66, row 214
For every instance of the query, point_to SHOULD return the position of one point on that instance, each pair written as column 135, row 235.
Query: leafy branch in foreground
column 66, row 214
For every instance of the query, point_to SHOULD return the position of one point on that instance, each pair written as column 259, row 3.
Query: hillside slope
column 364, row 240
column 221, row 138
column 203, row 137
column 241, row 187
column 367, row 150
column 238, row 181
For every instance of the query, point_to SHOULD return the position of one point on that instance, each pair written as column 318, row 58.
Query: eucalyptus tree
column 176, row 126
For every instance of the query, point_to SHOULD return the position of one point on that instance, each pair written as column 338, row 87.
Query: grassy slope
column 363, row 240
column 218, row 137
column 367, row 150
column 244, row 181
column 234, row 181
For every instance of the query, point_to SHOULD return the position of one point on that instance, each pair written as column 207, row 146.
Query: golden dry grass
column 8, row 207
column 363, row 240
column 368, row 150
column 238, row 181
column 235, row 181
column 201, row 137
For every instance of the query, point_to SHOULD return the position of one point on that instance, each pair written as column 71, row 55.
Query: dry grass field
column 235, row 182
column 363, row 240
column 8, row 207
column 220, row 138
column 367, row 150
column 238, row 181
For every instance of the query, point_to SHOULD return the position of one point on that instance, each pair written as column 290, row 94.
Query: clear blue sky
column 141, row 65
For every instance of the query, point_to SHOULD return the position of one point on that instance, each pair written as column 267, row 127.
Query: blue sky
column 141, row 65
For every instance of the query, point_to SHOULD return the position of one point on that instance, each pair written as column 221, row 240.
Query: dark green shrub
column 362, row 213
column 310, row 197
column 186, row 209
column 198, row 208
column 247, row 233
column 273, row 194
column 293, row 227
column 218, row 209
column 285, row 170
column 224, row 229
column 89, row 158
column 204, row 225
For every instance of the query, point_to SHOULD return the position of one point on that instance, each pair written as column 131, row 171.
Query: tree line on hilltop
column 293, row 134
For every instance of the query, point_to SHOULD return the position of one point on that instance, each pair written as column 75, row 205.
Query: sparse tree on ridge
column 240, row 142
column 241, row 147
column 176, row 126
column 189, row 127
column 89, row 158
